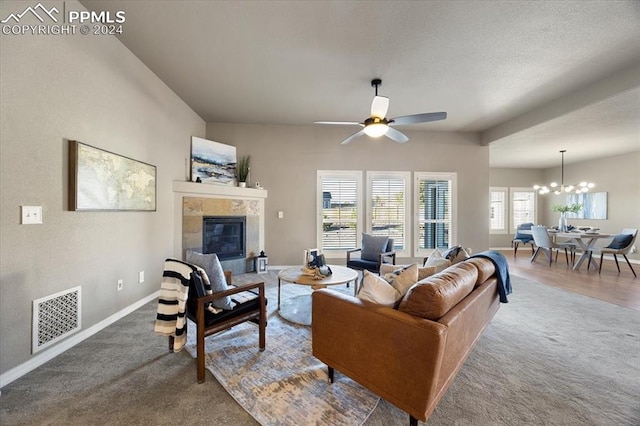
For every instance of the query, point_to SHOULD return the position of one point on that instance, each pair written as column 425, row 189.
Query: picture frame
column 594, row 205
column 313, row 257
column 101, row 180
column 213, row 162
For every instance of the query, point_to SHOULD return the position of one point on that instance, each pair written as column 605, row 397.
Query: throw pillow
column 455, row 254
column 377, row 290
column 213, row 269
column 620, row 241
column 373, row 246
column 403, row 278
column 437, row 261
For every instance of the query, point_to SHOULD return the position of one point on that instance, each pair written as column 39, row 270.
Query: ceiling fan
column 378, row 125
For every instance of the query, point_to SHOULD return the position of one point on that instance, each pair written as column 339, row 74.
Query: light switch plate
column 31, row 215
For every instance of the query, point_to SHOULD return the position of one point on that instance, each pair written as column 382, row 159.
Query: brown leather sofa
column 410, row 355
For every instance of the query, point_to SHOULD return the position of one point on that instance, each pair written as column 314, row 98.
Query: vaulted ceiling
column 533, row 77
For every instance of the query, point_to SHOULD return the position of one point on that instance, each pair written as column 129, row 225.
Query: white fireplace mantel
column 183, row 189
column 211, row 190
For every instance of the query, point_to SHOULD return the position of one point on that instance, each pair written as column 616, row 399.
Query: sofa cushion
column 213, row 269
column 434, row 296
column 376, row 289
column 373, row 246
column 402, row 278
column 423, row 271
column 437, row 261
column 486, row 268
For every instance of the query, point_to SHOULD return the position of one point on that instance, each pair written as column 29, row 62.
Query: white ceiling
column 533, row 77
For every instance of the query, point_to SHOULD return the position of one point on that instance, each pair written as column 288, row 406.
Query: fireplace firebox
column 225, row 236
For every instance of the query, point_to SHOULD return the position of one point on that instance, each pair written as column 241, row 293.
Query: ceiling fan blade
column 340, row 123
column 395, row 135
column 418, row 118
column 379, row 106
column 352, row 137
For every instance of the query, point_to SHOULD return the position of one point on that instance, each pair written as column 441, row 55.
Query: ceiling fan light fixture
column 376, row 130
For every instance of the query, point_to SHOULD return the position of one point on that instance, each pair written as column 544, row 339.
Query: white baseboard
column 42, row 357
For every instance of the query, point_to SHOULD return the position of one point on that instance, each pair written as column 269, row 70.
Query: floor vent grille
column 55, row 317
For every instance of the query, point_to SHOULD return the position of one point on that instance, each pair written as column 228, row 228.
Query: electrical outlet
column 141, row 277
column 120, row 284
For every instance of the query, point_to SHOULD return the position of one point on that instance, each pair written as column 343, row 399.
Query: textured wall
column 91, row 89
column 284, row 159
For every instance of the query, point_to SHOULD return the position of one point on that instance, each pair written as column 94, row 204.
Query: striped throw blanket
column 174, row 292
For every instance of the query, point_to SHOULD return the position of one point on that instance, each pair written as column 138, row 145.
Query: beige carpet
column 285, row 384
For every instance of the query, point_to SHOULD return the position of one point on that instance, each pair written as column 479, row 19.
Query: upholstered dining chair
column 621, row 244
column 375, row 250
column 521, row 238
column 546, row 245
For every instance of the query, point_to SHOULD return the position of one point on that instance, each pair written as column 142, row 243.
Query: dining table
column 584, row 240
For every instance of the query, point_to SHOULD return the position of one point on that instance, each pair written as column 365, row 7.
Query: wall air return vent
column 55, row 317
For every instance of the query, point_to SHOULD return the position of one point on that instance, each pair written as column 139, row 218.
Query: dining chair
column 546, row 245
column 621, row 244
column 521, row 238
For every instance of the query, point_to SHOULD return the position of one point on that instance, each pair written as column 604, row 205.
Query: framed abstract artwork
column 594, row 205
column 212, row 162
column 100, row 180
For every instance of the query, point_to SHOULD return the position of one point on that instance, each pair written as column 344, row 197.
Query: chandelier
column 562, row 188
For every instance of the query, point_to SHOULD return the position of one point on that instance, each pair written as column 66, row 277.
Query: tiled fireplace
column 197, row 201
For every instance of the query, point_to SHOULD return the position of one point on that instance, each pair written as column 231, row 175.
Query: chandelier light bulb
column 590, row 185
column 553, row 184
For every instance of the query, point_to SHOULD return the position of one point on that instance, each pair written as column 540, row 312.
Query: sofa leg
column 413, row 421
column 330, row 372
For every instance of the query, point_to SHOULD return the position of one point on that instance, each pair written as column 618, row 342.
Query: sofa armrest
column 393, row 354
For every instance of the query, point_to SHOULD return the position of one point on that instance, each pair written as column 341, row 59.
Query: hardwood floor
column 620, row 288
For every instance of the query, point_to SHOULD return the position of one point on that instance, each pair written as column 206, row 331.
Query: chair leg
column 566, row 256
column 533, row 258
column 515, row 249
column 532, row 249
column 413, row 421
column 331, row 373
column 171, row 341
column 601, row 257
column 629, row 263
column 616, row 259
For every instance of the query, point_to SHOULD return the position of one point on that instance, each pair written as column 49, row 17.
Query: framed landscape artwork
column 212, row 162
column 101, row 180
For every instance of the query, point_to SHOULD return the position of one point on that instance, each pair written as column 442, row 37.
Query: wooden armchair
column 248, row 302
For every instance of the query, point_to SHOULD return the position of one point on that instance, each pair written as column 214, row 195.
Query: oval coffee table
column 297, row 309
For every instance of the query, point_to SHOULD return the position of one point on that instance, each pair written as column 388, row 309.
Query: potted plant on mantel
column 242, row 170
column 569, row 208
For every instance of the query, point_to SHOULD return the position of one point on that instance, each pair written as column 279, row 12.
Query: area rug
column 285, row 384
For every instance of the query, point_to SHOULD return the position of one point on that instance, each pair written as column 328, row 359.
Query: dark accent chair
column 208, row 323
column 370, row 258
column 521, row 238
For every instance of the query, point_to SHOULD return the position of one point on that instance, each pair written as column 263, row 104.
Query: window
column 435, row 195
column 339, row 211
column 523, row 206
column 387, row 199
column 498, row 210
